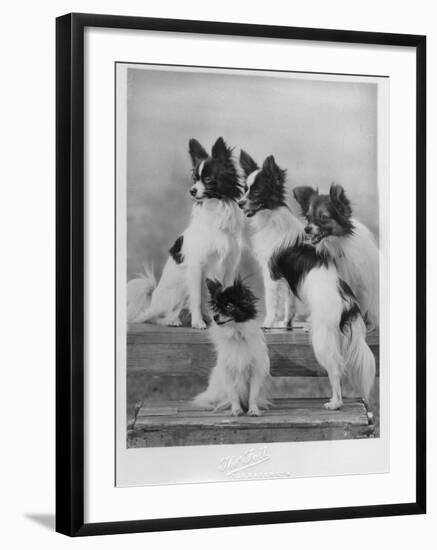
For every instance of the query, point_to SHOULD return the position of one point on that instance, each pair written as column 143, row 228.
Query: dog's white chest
column 215, row 230
column 238, row 350
column 237, row 355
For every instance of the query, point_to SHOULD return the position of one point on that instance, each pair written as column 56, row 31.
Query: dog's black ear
column 197, row 152
column 220, row 150
column 338, row 198
column 273, row 171
column 247, row 163
column 238, row 285
column 214, row 287
column 243, row 293
column 303, row 196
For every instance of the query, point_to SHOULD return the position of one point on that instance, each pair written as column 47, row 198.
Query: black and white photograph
column 240, row 314
column 217, row 216
column 249, row 244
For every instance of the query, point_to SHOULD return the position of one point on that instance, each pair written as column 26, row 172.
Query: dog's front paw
column 236, row 411
column 206, row 318
column 333, row 405
column 253, row 411
column 198, row 323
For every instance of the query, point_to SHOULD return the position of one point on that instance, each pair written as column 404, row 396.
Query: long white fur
column 357, row 260
column 139, row 291
column 240, row 379
column 271, row 230
column 338, row 353
column 212, row 248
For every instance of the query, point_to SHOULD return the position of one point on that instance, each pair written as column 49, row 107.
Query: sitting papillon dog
column 209, row 247
column 338, row 331
column 334, row 232
column 240, row 379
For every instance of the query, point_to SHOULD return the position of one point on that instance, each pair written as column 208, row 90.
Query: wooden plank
column 158, row 390
column 175, row 437
column 157, row 334
column 298, row 412
column 278, row 404
column 289, row 420
column 180, row 359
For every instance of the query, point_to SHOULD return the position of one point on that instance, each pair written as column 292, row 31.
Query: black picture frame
column 70, row 273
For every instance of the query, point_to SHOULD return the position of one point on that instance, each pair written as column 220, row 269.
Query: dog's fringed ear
column 214, row 287
column 220, row 150
column 197, row 152
column 273, row 171
column 238, row 285
column 243, row 291
column 247, row 163
column 338, row 198
column 303, row 196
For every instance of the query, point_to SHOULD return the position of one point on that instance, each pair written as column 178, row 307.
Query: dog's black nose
column 307, row 229
column 216, row 317
column 193, row 192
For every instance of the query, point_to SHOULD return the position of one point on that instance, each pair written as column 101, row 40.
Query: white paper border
column 103, row 501
column 157, row 466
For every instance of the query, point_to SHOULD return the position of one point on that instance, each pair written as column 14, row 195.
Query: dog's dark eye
column 324, row 217
column 207, row 179
column 229, row 307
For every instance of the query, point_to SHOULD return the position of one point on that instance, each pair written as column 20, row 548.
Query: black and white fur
column 240, row 379
column 333, row 230
column 267, row 194
column 209, row 247
column 337, row 328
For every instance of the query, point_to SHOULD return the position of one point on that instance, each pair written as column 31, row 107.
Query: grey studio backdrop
column 320, row 131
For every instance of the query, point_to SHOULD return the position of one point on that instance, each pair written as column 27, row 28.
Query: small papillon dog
column 241, row 378
column 338, row 331
column 333, row 231
column 210, row 246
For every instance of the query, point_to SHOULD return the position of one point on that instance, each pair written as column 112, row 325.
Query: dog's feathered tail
column 216, row 395
column 359, row 361
column 211, row 399
column 139, row 292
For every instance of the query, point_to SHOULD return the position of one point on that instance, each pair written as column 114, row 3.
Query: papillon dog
column 267, row 196
column 240, row 380
column 338, row 331
column 210, row 246
column 333, row 230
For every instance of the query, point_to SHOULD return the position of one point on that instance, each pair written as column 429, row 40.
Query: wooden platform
column 167, row 367
column 179, row 423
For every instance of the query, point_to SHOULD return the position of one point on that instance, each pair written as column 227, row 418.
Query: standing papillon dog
column 334, row 232
column 240, row 379
column 209, row 247
column 338, row 331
